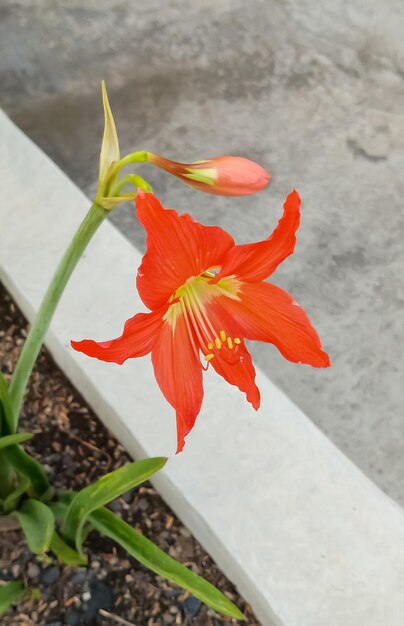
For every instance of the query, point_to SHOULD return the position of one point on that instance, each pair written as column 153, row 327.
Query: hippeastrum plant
column 205, row 296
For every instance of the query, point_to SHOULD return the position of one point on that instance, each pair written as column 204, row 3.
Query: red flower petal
column 138, row 337
column 240, row 373
column 178, row 372
column 267, row 313
column 233, row 364
column 255, row 261
column 178, row 247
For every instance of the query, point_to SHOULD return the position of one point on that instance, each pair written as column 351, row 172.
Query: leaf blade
column 9, row 593
column 29, row 467
column 104, row 490
column 5, row 400
column 150, row 555
column 11, row 501
column 65, row 553
column 11, row 440
column 38, row 524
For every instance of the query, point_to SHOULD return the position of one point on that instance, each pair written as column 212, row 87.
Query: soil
column 76, row 449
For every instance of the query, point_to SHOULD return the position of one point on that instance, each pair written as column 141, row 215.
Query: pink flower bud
column 222, row 176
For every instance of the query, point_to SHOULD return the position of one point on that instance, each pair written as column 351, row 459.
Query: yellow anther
column 222, row 335
column 237, row 340
column 218, row 343
column 229, row 342
column 210, row 346
column 208, row 357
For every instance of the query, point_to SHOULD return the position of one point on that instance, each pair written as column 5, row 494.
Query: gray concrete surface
column 314, row 92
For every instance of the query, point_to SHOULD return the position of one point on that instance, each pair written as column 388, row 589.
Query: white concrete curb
column 305, row 536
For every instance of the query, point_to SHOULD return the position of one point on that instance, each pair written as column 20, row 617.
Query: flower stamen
column 199, row 310
column 191, row 335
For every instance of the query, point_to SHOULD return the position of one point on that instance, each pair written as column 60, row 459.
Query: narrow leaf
column 104, row 490
column 10, row 593
column 7, row 410
column 27, row 466
column 147, row 553
column 10, row 503
column 65, row 553
column 59, row 509
column 38, row 523
column 16, row 456
column 10, row 440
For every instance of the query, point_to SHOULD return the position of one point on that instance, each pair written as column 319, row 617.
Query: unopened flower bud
column 222, row 176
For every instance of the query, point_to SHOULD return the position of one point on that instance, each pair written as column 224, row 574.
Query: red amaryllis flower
column 221, row 176
column 207, row 295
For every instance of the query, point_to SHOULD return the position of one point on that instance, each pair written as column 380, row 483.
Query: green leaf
column 65, row 553
column 104, row 490
column 22, row 462
column 38, row 523
column 10, row 503
column 7, row 410
column 147, row 553
column 10, row 593
column 10, row 440
column 27, row 466
column 60, row 506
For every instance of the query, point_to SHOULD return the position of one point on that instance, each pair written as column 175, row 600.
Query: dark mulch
column 76, row 449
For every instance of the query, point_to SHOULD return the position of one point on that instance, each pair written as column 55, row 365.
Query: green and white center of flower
column 191, row 300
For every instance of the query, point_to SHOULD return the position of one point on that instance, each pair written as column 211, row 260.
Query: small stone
column 128, row 497
column 192, row 605
column 102, row 597
column 15, row 570
column 33, row 570
column 72, row 617
column 53, row 624
column 50, row 575
column 80, row 576
column 115, row 506
column 143, row 504
column 86, row 596
column 170, row 593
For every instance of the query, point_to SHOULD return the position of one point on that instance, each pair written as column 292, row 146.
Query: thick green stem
column 39, row 328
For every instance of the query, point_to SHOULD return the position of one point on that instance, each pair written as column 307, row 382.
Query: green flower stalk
column 39, row 328
column 106, row 199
